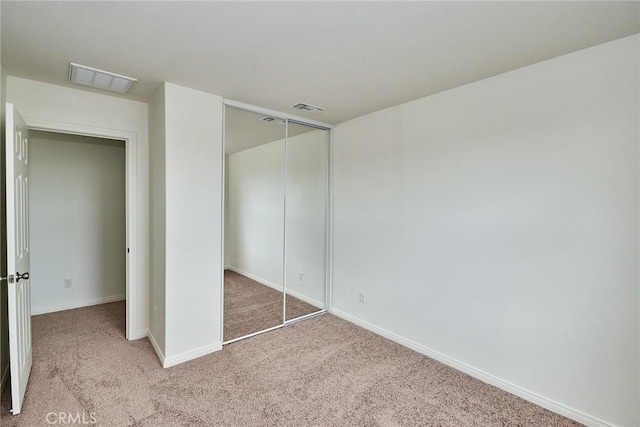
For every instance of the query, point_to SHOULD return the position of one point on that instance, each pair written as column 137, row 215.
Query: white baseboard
column 306, row 299
column 278, row 288
column 546, row 403
column 156, row 347
column 76, row 304
column 4, row 377
column 190, row 355
column 141, row 334
column 256, row 278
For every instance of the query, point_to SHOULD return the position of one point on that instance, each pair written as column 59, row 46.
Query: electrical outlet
column 362, row 299
column 301, row 277
column 67, row 283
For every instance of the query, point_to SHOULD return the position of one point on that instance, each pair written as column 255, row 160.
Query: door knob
column 20, row 276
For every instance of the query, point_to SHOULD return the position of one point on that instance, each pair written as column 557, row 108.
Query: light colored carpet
column 250, row 306
column 319, row 372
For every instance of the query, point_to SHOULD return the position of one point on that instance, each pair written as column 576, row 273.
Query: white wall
column 255, row 224
column 497, row 225
column 157, row 203
column 193, row 179
column 77, row 221
column 43, row 101
column 306, row 218
column 256, row 212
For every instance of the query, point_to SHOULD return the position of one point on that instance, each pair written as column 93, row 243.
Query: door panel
column 19, row 298
column 306, row 220
column 254, row 223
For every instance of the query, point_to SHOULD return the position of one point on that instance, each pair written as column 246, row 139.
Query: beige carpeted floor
column 319, row 372
column 250, row 306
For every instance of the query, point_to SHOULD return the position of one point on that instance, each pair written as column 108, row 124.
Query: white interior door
column 17, row 179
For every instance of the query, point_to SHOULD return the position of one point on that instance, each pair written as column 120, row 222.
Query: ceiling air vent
column 308, row 108
column 99, row 79
column 269, row 119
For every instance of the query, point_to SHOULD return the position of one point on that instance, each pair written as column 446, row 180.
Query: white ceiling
column 350, row 57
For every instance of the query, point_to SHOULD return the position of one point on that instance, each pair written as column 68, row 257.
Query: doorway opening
column 77, row 223
column 129, row 249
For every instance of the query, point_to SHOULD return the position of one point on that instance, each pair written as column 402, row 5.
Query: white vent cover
column 99, row 79
column 309, row 108
column 273, row 120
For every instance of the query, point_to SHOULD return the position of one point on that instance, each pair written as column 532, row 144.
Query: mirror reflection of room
column 254, row 223
column 306, row 220
column 275, row 222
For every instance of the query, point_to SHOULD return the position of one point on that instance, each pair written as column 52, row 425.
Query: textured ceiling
column 350, row 57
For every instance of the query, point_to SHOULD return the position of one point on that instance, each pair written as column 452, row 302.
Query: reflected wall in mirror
column 306, row 220
column 254, row 222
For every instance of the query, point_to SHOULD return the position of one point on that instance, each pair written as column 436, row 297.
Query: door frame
column 129, row 138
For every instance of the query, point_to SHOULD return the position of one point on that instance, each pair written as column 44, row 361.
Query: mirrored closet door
column 254, row 223
column 276, row 192
column 306, row 220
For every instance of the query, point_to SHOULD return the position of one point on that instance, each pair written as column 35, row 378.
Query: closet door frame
column 329, row 211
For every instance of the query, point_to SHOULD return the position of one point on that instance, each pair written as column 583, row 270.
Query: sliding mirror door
column 306, row 220
column 254, row 222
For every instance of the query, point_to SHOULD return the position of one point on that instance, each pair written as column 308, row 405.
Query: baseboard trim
column 77, row 304
column 276, row 287
column 528, row 395
column 190, row 355
column 256, row 278
column 306, row 299
column 156, row 347
column 141, row 334
column 4, row 378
